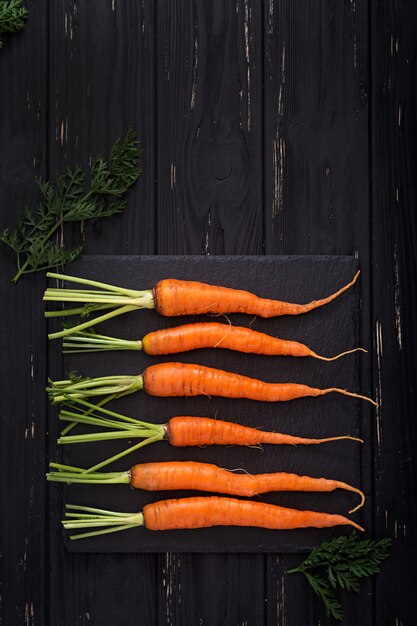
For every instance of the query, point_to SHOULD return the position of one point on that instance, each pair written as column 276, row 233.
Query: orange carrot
column 201, row 512
column 190, row 475
column 196, row 336
column 179, row 432
column 183, row 297
column 203, row 431
column 216, row 335
column 208, row 477
column 187, row 379
column 170, row 297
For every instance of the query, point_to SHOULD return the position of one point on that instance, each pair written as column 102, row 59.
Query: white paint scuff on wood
column 206, row 249
column 195, row 68
column 29, row 614
column 397, row 309
column 173, row 175
column 378, row 391
column 279, row 145
column 282, row 599
column 63, row 131
column 170, row 572
column 355, row 46
column 30, row 433
column 247, row 14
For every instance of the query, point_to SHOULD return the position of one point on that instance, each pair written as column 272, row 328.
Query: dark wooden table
column 280, row 127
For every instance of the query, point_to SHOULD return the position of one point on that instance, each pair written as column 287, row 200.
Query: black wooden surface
column 280, row 126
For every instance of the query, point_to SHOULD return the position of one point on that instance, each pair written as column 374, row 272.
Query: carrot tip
column 344, row 392
column 358, row 527
column 361, row 503
column 337, row 356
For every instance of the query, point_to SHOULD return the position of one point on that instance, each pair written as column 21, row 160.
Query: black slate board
column 328, row 331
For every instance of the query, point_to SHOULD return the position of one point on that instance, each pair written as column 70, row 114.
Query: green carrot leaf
column 322, row 589
column 342, row 563
column 76, row 196
column 12, row 17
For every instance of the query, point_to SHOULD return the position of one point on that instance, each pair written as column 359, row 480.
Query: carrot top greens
column 12, row 17
column 342, row 563
column 76, row 197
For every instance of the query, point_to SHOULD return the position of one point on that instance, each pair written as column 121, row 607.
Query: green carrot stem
column 92, row 342
column 77, row 471
column 91, row 409
column 104, row 532
column 99, row 409
column 96, row 320
column 91, row 421
column 98, row 512
column 97, row 478
column 118, row 298
column 72, row 296
column 67, row 416
column 93, row 523
column 93, row 283
column 94, row 407
column 112, row 435
column 60, row 391
column 130, row 422
column 88, row 517
column 66, row 468
column 77, row 311
column 120, row 455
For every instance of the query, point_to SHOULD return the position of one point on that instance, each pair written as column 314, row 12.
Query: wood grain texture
column 256, row 126
column 316, row 195
column 101, row 83
column 394, row 237
column 209, row 200
column 209, row 136
column 23, row 121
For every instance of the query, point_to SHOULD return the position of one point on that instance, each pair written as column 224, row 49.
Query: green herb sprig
column 12, row 17
column 75, row 198
column 342, row 563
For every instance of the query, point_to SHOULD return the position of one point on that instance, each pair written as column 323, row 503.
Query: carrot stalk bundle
column 171, row 298
column 199, row 512
column 190, row 475
column 194, row 336
column 180, row 431
column 187, row 380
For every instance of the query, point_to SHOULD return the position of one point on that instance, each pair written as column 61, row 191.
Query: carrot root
column 359, row 492
column 351, row 394
column 328, row 439
column 338, row 356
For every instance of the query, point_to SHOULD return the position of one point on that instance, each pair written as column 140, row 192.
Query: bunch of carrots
column 171, row 297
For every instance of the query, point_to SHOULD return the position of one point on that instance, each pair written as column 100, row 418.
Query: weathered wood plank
column 316, row 196
column 101, row 83
column 22, row 338
column 209, row 166
column 209, row 127
column 394, row 239
column 209, row 200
